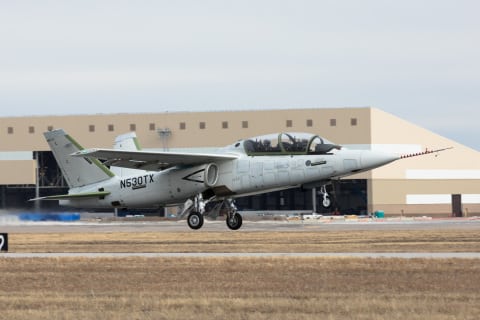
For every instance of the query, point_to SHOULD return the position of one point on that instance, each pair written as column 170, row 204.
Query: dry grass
column 206, row 241
column 242, row 288
column 239, row 288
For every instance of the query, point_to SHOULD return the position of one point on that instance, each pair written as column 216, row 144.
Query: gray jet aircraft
column 247, row 167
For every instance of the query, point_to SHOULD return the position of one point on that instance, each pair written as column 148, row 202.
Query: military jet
column 247, row 167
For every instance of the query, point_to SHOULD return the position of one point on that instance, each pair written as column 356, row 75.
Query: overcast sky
column 419, row 60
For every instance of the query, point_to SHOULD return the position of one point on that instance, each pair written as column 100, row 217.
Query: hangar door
column 456, row 205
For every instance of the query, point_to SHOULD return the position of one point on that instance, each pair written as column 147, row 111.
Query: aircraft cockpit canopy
column 288, row 143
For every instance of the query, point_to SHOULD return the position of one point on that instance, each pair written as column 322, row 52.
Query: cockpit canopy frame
column 288, row 144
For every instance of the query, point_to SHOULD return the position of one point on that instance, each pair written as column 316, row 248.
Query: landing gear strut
column 234, row 219
column 326, row 202
column 196, row 206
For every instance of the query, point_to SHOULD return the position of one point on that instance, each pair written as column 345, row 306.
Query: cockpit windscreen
column 288, row 143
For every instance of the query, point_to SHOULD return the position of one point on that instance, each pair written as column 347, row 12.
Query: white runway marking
column 402, row 255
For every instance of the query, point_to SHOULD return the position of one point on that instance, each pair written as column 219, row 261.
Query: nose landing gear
column 326, row 202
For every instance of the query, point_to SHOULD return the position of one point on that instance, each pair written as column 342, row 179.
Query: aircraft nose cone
column 374, row 159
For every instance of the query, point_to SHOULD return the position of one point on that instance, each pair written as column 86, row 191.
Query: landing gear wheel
column 235, row 221
column 195, row 220
column 326, row 203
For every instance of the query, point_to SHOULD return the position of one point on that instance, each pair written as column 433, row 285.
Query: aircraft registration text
column 136, row 182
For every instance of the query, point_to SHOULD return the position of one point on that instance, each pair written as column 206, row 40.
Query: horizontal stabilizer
column 98, row 194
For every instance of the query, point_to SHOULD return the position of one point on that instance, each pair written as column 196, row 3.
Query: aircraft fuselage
column 227, row 179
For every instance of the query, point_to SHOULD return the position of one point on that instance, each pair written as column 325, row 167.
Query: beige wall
column 389, row 184
column 390, row 195
column 17, row 171
column 395, row 191
column 259, row 122
column 388, row 129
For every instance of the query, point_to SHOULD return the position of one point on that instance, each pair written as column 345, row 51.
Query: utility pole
column 164, row 134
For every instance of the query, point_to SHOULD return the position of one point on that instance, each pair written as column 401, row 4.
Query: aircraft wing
column 151, row 160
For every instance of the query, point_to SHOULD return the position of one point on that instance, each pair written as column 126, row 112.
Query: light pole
column 164, row 134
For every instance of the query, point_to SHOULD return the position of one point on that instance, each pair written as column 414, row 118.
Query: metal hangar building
column 438, row 184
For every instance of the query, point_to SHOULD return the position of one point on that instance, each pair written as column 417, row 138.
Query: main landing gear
column 234, row 219
column 195, row 218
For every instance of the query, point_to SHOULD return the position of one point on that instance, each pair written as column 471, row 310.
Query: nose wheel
column 326, row 201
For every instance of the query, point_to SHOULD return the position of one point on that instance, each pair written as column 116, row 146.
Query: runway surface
column 402, row 255
column 140, row 226
column 248, row 226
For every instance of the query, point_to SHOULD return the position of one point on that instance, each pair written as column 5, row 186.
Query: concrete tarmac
column 248, row 226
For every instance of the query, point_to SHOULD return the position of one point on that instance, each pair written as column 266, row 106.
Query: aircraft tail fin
column 77, row 171
column 127, row 141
